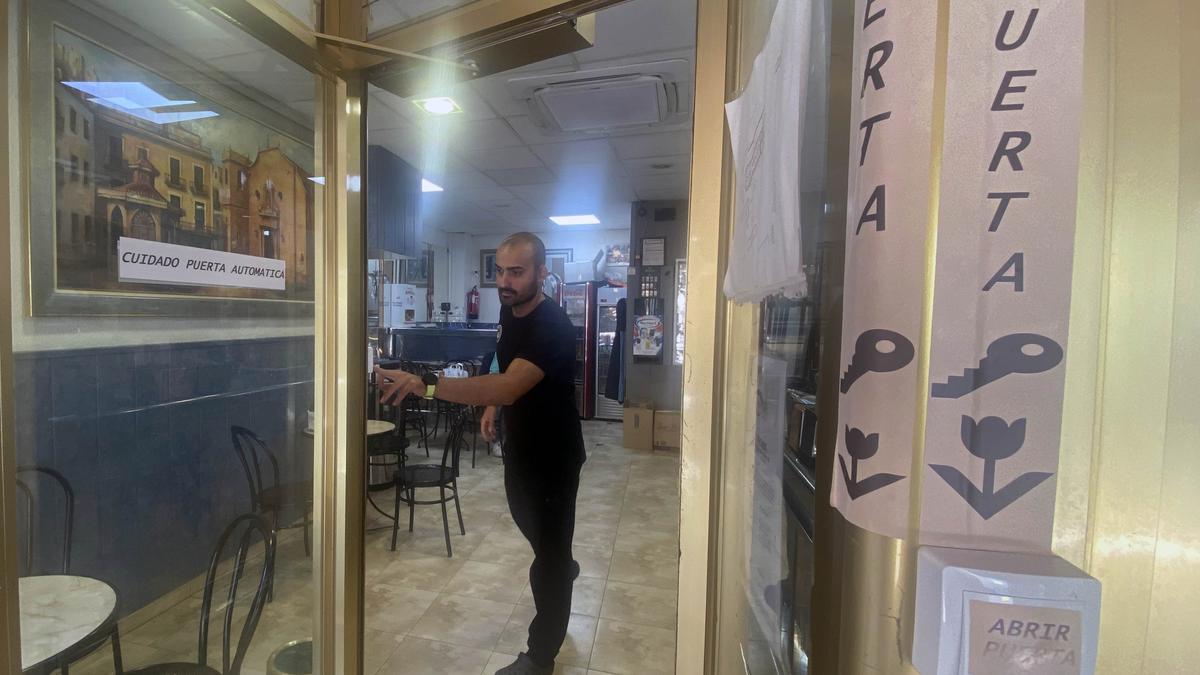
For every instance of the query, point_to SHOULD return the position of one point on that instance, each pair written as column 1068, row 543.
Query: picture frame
column 101, row 171
column 416, row 271
column 487, row 268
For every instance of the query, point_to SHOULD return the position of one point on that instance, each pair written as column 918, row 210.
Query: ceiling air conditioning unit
column 608, row 99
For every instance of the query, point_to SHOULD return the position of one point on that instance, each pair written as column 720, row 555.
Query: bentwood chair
column 30, row 480
column 443, row 476
column 244, row 530
column 271, row 498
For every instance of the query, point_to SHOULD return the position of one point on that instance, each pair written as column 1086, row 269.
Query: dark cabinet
column 393, row 204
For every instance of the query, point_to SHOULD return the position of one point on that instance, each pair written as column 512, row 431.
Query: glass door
column 163, row 456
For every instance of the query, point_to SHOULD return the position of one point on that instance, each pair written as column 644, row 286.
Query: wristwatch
column 431, row 383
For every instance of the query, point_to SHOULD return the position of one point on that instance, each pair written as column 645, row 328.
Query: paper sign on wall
column 887, row 218
column 153, row 262
column 1006, row 638
column 1002, row 292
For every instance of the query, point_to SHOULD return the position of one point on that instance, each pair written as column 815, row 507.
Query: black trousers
column 542, row 501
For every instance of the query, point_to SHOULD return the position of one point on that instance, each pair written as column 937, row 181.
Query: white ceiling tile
column 467, row 136
column 658, row 144
column 459, row 181
column 532, row 134
column 530, row 176
column 485, row 196
column 575, row 152
column 503, row 158
column 652, row 166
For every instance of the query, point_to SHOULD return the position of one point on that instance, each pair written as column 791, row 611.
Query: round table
column 374, row 428
column 58, row 612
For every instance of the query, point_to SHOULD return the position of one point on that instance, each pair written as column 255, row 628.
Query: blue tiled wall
column 142, row 435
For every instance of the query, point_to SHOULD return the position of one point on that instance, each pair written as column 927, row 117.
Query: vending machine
column 579, row 301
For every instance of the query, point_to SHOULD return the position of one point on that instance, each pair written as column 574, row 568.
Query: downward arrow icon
column 861, row 446
column 990, row 439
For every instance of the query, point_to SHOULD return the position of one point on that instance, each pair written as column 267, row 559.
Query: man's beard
column 511, row 297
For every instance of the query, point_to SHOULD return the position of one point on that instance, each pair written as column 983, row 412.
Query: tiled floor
column 427, row 614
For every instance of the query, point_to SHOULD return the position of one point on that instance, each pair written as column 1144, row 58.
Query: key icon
column 1026, row 353
column 877, row 350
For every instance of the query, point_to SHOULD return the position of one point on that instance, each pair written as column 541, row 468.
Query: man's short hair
column 534, row 242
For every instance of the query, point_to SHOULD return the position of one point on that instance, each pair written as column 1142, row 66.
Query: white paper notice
column 764, row 125
column 153, row 262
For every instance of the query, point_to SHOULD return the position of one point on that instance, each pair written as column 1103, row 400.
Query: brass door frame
column 344, row 69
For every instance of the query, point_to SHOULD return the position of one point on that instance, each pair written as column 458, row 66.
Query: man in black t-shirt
column 544, row 449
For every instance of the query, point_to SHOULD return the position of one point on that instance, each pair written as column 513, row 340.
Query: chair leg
column 445, row 521
column 118, row 661
column 274, row 545
column 396, row 515
column 412, row 499
column 458, row 507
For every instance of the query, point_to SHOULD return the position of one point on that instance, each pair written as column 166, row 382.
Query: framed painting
column 158, row 189
column 487, row 268
column 416, row 271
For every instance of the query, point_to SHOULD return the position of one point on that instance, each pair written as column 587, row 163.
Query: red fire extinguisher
column 473, row 303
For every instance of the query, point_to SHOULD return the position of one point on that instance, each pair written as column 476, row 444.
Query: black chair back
column 249, row 524
column 456, row 439
column 255, row 456
column 29, row 494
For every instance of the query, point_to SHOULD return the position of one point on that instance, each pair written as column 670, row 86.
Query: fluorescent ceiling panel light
column 430, row 186
column 438, row 105
column 587, row 219
column 139, row 100
column 319, row 180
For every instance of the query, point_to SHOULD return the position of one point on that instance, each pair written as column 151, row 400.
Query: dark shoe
column 574, row 570
column 525, row 666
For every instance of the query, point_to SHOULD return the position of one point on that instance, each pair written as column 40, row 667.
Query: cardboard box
column 638, row 428
column 666, row 430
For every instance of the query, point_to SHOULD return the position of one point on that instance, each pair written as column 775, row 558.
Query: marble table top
column 57, row 612
column 374, row 428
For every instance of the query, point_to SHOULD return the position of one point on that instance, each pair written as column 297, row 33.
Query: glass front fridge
column 579, row 300
column 606, row 336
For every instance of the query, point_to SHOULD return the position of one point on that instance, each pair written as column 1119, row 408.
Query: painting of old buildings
column 137, row 156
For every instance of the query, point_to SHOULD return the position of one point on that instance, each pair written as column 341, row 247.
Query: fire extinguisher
column 473, row 304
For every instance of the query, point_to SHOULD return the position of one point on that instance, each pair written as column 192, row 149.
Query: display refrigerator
column 607, row 332
column 579, row 301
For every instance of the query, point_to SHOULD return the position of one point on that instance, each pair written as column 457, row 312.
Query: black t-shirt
column 543, row 425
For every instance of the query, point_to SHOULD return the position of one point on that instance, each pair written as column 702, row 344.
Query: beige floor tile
column 649, row 543
column 633, row 603
column 632, row 568
column 586, row 597
column 477, row 579
column 378, row 647
column 426, row 574
column 503, row 550
column 395, row 609
column 417, row 656
column 630, row 649
column 459, row 620
column 576, row 649
column 593, row 534
column 593, row 561
column 500, row 660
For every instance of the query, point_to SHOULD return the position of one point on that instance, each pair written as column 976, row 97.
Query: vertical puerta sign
column 888, row 217
column 1002, row 289
column 1001, row 282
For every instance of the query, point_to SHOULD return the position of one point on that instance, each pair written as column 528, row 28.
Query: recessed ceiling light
column 438, row 105
column 586, row 219
column 429, row 186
